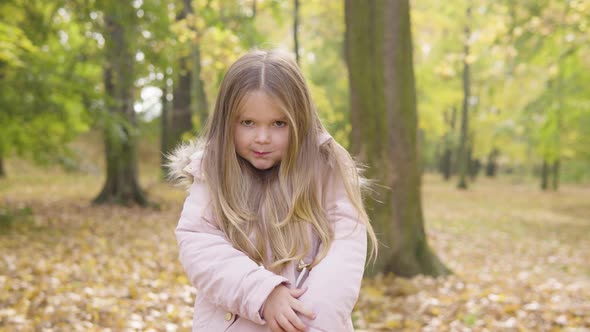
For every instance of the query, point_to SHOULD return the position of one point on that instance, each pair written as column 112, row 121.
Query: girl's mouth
column 259, row 154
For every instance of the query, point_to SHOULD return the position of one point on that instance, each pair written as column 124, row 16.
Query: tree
column 181, row 112
column 492, row 164
column 463, row 141
column 120, row 125
column 384, row 133
column 446, row 159
column 296, row 29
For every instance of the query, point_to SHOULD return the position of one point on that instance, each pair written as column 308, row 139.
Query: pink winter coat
column 231, row 288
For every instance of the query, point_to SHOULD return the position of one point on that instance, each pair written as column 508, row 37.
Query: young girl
column 273, row 233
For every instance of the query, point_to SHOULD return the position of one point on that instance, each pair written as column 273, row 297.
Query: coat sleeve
column 224, row 275
column 334, row 283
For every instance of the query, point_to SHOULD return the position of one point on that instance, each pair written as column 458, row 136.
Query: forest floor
column 520, row 257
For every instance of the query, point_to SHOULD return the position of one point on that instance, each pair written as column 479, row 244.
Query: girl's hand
column 280, row 307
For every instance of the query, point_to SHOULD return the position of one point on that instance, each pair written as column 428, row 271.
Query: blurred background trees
column 514, row 54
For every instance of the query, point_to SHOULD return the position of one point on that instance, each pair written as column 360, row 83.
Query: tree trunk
column 544, row 175
column 474, row 167
column 181, row 114
column 492, row 164
column 296, row 28
column 200, row 97
column 382, row 92
column 2, row 171
column 120, row 127
column 447, row 156
column 463, row 144
column 469, row 160
column 165, row 146
column 555, row 175
column 446, row 162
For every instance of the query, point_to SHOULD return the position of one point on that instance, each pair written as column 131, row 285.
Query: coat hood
column 179, row 160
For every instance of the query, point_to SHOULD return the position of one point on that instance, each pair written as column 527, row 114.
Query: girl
column 273, row 233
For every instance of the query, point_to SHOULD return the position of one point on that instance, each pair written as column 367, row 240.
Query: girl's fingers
column 285, row 324
column 300, row 308
column 274, row 326
column 295, row 321
column 297, row 292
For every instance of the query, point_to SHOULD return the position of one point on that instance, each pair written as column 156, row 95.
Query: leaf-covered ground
column 521, row 259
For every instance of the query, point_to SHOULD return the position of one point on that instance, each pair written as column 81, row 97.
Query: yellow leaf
column 373, row 292
column 181, row 279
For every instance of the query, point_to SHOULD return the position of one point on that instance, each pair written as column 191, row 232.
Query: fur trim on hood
column 183, row 163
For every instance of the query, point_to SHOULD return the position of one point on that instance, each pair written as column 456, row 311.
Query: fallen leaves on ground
column 520, row 259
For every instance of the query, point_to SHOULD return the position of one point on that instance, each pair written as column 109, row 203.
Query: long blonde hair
column 271, row 215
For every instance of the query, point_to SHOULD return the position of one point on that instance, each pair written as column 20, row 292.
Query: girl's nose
column 262, row 136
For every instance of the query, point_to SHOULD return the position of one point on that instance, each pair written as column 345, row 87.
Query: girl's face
column 261, row 131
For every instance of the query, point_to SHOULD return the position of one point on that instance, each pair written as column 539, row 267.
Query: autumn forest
column 470, row 117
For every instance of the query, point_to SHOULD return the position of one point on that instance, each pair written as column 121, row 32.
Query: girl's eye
column 248, row 123
column 280, row 124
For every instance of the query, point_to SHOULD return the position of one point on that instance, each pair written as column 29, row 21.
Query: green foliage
column 14, row 45
column 528, row 59
column 40, row 88
column 527, row 72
